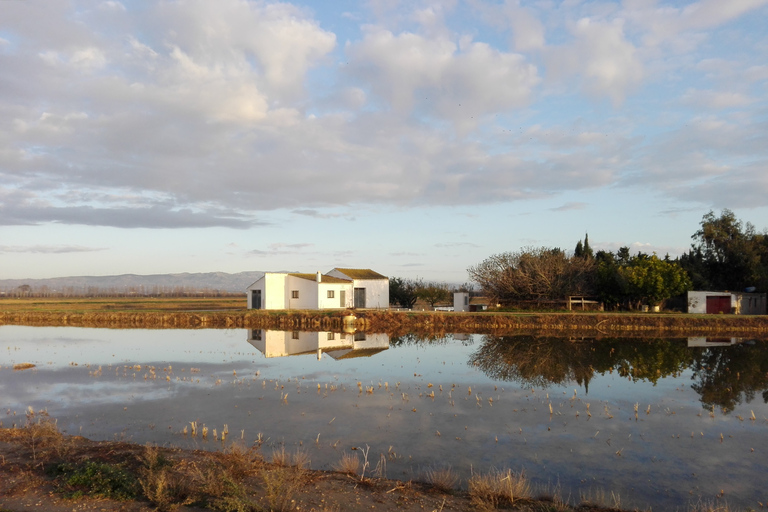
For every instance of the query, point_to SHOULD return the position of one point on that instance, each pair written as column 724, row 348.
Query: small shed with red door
column 737, row 303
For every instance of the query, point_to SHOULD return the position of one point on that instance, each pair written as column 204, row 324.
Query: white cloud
column 601, row 56
column 456, row 82
column 664, row 24
column 527, row 31
column 716, row 99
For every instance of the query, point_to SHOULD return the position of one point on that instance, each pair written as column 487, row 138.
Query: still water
column 660, row 423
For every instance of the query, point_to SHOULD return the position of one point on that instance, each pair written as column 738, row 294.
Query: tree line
column 726, row 254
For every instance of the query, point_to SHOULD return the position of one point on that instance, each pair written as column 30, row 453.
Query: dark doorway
column 359, row 298
column 718, row 304
column 255, row 299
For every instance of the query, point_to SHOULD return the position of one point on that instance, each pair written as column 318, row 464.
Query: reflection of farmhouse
column 339, row 288
column 335, row 344
column 727, row 302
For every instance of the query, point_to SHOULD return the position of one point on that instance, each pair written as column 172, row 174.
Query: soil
column 29, row 458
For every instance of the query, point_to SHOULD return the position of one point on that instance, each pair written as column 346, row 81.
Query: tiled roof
column 360, row 273
column 325, row 279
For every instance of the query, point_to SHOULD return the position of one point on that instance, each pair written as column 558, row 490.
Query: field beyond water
column 231, row 312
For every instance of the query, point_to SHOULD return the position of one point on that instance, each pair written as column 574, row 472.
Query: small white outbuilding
column 738, row 303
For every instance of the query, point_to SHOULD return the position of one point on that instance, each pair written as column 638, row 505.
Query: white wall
column 335, row 303
column 376, row 292
column 461, row 301
column 697, row 301
column 307, row 293
column 272, row 286
column 273, row 295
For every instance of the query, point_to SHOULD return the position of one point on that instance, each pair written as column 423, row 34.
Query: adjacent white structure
column 704, row 302
column 369, row 289
column 462, row 302
column 340, row 288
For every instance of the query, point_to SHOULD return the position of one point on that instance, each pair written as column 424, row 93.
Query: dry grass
column 240, row 461
column 282, row 457
column 348, row 464
column 498, row 488
column 601, row 498
column 164, row 487
column 281, row 484
column 42, row 436
column 443, row 479
column 710, row 506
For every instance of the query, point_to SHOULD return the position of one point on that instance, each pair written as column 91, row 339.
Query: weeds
column 601, row 498
column 162, row 486
column 281, row 457
column 348, row 464
column 42, row 436
column 442, row 479
column 281, row 484
column 240, row 461
column 95, row 479
column 498, row 489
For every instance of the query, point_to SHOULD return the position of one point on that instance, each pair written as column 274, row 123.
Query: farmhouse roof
column 324, row 278
column 360, row 273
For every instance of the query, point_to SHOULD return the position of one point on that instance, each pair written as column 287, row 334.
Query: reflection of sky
column 653, row 460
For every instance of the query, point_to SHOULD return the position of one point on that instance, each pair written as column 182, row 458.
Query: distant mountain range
column 201, row 281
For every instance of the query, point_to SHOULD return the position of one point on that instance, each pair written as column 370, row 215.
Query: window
column 295, row 335
column 331, row 336
column 294, row 294
column 330, row 294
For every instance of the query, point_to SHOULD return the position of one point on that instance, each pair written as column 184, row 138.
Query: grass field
column 137, row 304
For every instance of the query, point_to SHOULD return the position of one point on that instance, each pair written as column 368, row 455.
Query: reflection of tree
column 419, row 339
column 546, row 361
column 535, row 362
column 728, row 376
column 725, row 376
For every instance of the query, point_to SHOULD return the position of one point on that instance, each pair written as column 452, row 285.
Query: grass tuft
column 348, row 464
column 443, row 479
column 498, row 488
column 165, row 488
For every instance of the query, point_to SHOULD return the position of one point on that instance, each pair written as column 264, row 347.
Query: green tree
column 404, row 292
column 652, row 280
column 433, row 293
column 730, row 254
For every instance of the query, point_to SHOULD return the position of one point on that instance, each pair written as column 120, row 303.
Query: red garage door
column 718, row 304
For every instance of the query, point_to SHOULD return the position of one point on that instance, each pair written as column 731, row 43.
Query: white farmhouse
column 338, row 289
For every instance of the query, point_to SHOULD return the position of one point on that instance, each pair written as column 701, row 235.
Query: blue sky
column 413, row 137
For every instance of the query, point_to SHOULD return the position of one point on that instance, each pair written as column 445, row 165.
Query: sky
column 416, row 138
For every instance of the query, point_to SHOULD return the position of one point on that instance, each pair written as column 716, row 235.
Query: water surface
column 662, row 423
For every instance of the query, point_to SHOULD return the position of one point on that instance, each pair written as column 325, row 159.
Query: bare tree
column 533, row 273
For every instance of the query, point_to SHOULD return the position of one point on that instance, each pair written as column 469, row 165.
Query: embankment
column 427, row 323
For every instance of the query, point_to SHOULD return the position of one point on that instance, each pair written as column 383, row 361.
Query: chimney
column 319, row 277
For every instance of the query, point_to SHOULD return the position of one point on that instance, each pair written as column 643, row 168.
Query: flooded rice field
column 652, row 423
